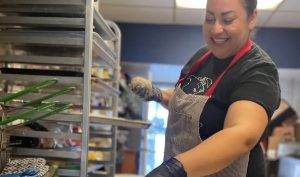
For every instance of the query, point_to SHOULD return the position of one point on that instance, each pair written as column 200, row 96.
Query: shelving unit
column 72, row 36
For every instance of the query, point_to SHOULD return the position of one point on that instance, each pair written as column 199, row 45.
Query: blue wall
column 282, row 44
column 175, row 44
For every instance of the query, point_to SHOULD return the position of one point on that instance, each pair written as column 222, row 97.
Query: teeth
column 219, row 41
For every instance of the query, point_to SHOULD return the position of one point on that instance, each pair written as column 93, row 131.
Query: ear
column 252, row 20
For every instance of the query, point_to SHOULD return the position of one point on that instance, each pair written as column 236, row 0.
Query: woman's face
column 227, row 27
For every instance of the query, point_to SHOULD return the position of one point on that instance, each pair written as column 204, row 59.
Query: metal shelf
column 46, row 134
column 65, row 172
column 71, row 38
column 50, row 60
column 101, row 134
column 23, row 31
column 61, row 98
column 70, row 10
column 117, row 121
column 104, row 88
column 102, row 119
column 102, row 53
column 99, row 119
column 101, row 173
column 100, row 149
column 102, row 28
column 77, row 81
column 103, row 56
column 101, row 162
column 66, row 154
column 44, row 2
column 97, row 39
column 65, row 117
column 43, row 21
column 92, row 168
column 60, row 117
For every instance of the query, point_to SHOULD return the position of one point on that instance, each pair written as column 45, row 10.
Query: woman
column 222, row 102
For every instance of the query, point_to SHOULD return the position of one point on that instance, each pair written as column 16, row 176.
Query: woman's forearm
column 214, row 154
column 244, row 124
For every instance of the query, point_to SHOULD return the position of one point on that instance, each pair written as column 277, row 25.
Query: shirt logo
column 197, row 85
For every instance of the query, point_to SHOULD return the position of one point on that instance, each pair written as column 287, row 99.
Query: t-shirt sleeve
column 260, row 85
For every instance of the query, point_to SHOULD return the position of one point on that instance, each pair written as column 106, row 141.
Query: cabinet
column 68, row 40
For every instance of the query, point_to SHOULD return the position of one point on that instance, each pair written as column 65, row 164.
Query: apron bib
column 183, row 126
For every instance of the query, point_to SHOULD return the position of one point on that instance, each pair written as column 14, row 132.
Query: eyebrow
column 223, row 13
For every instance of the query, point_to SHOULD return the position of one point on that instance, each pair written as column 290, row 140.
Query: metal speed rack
column 66, row 40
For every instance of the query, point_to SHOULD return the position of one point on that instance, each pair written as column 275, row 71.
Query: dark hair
column 250, row 6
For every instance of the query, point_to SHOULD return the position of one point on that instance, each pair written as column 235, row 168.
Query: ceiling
column 287, row 15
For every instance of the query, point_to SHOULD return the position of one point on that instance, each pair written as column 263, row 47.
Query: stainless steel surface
column 94, row 168
column 86, row 43
column 103, row 54
column 86, row 86
column 100, row 134
column 102, row 174
column 50, row 2
column 50, row 60
column 70, row 10
column 107, row 163
column 76, row 81
column 121, row 122
column 63, row 98
column 101, row 149
column 103, row 87
column 47, row 153
column 65, row 172
column 75, row 39
column 66, row 117
column 42, row 21
column 60, row 117
column 116, row 98
column 46, row 134
column 103, row 46
column 101, row 27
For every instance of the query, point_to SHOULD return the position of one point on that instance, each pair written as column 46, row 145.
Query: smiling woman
column 222, row 101
column 227, row 26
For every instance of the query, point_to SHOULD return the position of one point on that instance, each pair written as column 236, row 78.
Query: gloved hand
column 169, row 168
column 145, row 90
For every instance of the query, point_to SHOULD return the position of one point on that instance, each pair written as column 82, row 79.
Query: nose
column 217, row 28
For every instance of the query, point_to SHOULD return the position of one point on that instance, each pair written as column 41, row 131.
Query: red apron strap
column 196, row 65
column 236, row 58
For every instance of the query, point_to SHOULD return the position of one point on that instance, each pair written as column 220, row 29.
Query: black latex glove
column 169, row 168
column 145, row 89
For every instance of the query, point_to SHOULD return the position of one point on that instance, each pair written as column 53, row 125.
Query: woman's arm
column 244, row 125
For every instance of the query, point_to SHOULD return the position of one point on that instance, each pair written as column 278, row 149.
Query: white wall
column 290, row 87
